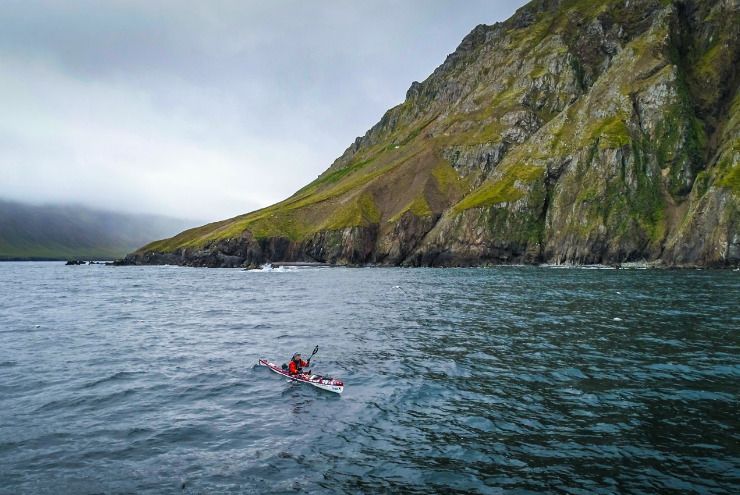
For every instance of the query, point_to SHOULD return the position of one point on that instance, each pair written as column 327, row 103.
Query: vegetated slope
column 64, row 231
column 575, row 132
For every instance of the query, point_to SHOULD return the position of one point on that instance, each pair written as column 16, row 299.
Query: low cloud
column 204, row 109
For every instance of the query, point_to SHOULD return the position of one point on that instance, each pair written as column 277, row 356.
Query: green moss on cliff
column 278, row 224
column 728, row 164
column 710, row 69
column 341, row 173
column 730, row 177
column 358, row 212
column 483, row 125
column 418, row 207
column 707, row 67
column 446, row 178
column 347, row 183
column 503, row 190
column 609, row 133
column 415, row 132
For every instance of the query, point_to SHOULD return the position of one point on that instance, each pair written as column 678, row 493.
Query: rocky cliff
column 575, row 132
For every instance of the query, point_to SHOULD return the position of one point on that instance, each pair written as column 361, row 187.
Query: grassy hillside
column 576, row 131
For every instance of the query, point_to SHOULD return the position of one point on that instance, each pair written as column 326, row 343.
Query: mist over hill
column 58, row 232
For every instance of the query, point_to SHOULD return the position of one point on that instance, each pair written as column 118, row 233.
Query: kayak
column 324, row 383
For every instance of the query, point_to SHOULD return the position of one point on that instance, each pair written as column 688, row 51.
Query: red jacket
column 295, row 368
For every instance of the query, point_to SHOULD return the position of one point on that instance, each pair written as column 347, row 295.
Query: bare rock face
column 598, row 132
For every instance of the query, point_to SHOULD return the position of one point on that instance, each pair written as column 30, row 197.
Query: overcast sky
column 204, row 110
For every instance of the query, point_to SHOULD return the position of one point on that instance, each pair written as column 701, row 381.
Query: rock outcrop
column 574, row 132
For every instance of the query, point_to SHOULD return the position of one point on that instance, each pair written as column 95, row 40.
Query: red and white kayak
column 324, row 383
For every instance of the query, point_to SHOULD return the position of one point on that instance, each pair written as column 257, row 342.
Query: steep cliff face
column 575, row 132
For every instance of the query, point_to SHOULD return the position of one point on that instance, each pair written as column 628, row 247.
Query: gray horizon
column 204, row 111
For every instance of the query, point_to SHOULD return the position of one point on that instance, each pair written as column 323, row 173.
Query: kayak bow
column 324, row 383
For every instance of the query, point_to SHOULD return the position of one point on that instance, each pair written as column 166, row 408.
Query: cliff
column 575, row 132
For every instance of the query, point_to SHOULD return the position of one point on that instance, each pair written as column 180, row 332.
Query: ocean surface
column 501, row 380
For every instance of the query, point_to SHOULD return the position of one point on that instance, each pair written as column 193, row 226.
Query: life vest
column 295, row 368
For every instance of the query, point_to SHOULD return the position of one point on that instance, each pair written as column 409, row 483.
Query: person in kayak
column 297, row 364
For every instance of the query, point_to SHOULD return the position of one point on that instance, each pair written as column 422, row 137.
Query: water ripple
column 514, row 379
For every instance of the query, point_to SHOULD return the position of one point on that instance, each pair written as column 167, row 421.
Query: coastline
column 229, row 262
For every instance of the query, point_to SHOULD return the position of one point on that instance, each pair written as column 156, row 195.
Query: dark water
column 501, row 380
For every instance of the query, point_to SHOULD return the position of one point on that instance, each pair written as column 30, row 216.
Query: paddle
column 308, row 361
column 315, row 350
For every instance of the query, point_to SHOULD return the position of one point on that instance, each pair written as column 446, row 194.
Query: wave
column 268, row 268
column 577, row 267
column 119, row 376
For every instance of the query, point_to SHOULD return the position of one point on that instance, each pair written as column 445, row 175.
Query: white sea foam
column 577, row 267
column 268, row 268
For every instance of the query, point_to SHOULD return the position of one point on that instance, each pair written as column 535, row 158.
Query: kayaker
column 296, row 364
